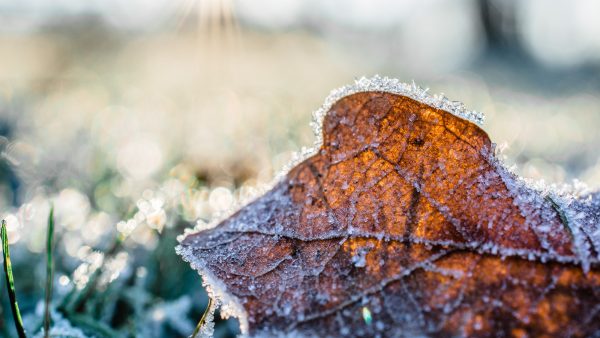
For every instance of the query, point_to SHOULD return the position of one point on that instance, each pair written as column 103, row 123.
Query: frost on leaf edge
column 382, row 84
column 230, row 305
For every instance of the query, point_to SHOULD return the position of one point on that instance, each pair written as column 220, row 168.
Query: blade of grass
column 49, row 271
column 203, row 319
column 10, row 283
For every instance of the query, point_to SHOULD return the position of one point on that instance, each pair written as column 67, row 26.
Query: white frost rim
column 381, row 84
column 394, row 86
column 230, row 305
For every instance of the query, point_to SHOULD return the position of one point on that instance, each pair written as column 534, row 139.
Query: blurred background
column 136, row 119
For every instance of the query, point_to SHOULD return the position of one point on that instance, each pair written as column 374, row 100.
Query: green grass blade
column 203, row 319
column 10, row 283
column 49, row 272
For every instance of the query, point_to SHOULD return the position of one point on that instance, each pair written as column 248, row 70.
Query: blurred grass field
column 138, row 120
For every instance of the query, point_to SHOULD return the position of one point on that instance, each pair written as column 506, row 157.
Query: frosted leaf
column 404, row 209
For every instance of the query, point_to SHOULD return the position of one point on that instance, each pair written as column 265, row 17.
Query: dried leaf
column 404, row 223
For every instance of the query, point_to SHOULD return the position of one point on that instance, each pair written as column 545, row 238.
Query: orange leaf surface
column 403, row 223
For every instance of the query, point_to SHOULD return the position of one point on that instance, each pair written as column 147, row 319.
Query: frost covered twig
column 203, row 319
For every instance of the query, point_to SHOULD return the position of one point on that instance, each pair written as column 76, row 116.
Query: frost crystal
column 393, row 86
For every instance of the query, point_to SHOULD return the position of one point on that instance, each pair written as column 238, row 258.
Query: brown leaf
column 404, row 224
